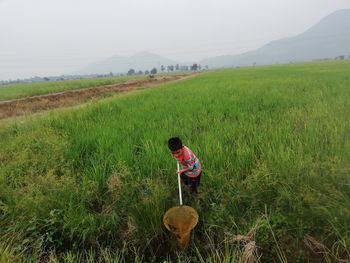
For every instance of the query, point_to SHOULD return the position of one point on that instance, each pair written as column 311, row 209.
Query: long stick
column 179, row 181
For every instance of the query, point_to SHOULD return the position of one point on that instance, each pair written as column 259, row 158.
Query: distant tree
column 183, row 68
column 131, row 72
column 146, row 72
column 111, row 74
column 140, row 72
column 154, row 71
column 194, row 67
column 171, row 67
column 162, row 68
column 46, row 79
column 199, row 67
column 206, row 67
column 177, row 67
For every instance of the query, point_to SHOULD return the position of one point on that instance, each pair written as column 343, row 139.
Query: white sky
column 52, row 37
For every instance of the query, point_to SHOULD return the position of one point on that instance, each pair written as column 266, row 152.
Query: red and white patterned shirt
column 190, row 161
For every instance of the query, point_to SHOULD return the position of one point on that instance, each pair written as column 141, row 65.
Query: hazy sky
column 52, row 37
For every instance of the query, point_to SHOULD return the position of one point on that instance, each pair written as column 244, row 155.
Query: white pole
column 179, row 181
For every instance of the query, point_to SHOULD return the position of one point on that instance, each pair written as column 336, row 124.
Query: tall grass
column 274, row 143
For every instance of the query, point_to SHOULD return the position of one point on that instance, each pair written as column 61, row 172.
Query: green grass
column 16, row 91
column 274, row 143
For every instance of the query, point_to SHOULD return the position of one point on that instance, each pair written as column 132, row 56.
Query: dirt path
column 38, row 103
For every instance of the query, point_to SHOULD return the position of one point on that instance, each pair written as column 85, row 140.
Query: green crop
column 16, row 91
column 93, row 183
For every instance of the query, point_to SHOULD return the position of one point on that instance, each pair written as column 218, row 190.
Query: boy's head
column 175, row 146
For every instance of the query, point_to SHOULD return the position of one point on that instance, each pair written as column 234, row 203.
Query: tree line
column 168, row 68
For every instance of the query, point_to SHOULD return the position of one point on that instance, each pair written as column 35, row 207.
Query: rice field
column 17, row 91
column 92, row 184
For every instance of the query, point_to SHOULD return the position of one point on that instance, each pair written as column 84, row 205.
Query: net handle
column 179, row 182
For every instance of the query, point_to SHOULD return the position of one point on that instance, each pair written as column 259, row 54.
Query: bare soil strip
column 17, row 107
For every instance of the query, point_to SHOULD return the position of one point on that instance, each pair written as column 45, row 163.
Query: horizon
column 34, row 48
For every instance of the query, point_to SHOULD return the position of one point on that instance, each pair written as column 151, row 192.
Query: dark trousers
column 193, row 183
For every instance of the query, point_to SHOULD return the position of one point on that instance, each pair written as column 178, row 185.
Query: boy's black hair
column 174, row 144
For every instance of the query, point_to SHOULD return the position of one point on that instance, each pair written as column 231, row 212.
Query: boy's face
column 177, row 153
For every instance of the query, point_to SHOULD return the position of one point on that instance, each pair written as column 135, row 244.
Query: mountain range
column 328, row 39
column 120, row 64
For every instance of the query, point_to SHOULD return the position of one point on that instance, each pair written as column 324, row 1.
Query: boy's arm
column 183, row 170
column 189, row 161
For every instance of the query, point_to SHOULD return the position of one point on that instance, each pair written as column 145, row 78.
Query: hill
column 329, row 38
column 119, row 64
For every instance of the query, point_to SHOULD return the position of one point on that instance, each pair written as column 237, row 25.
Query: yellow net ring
column 180, row 220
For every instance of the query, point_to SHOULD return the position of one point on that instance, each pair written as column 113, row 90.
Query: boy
column 191, row 167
